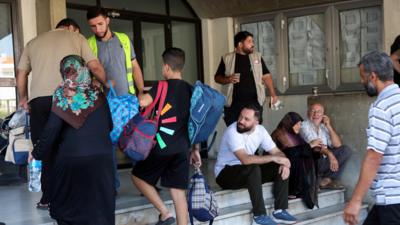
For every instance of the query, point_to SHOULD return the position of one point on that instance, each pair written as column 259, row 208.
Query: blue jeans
column 116, row 179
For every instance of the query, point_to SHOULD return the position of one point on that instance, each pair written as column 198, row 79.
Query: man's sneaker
column 263, row 220
column 282, row 216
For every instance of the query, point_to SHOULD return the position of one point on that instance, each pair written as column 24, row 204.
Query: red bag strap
column 150, row 107
column 162, row 100
column 161, row 95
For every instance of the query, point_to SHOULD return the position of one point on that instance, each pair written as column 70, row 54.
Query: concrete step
column 229, row 200
column 144, row 213
column 226, row 198
column 140, row 211
column 133, row 209
column 332, row 215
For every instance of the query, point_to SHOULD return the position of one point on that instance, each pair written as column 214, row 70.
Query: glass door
column 153, row 45
column 7, row 72
column 184, row 37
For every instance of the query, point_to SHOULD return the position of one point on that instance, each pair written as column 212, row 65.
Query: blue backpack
column 122, row 108
column 202, row 203
column 206, row 107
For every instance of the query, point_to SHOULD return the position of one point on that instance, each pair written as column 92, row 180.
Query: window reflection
column 264, row 40
column 306, row 38
column 360, row 31
column 184, row 37
column 7, row 94
column 153, row 40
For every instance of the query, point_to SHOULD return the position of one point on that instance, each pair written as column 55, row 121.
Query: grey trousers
column 342, row 154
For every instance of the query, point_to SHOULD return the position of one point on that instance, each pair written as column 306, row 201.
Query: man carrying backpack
column 238, row 167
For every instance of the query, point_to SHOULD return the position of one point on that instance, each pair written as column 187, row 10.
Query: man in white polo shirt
column 318, row 126
column 238, row 167
column 381, row 166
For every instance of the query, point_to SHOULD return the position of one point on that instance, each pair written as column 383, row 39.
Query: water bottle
column 277, row 105
column 35, row 172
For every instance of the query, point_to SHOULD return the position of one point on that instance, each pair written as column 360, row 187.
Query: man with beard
column 318, row 126
column 115, row 51
column 395, row 56
column 243, row 75
column 42, row 57
column 380, row 169
column 239, row 167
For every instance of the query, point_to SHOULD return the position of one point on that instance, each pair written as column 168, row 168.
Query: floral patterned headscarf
column 76, row 97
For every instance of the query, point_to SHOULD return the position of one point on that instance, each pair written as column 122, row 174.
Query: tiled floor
column 17, row 204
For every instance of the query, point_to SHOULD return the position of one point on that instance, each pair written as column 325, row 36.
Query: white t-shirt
column 233, row 141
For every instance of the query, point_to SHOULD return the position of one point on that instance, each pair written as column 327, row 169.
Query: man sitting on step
column 318, row 126
column 239, row 167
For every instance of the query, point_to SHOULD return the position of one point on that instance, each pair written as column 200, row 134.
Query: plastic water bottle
column 35, row 172
column 277, row 105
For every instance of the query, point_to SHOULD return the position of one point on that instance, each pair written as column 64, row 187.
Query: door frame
column 138, row 17
column 17, row 47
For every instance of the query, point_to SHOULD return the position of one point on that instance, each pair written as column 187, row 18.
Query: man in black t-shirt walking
column 395, row 56
column 244, row 76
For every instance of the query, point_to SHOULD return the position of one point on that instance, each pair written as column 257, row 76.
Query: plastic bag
column 122, row 108
column 18, row 119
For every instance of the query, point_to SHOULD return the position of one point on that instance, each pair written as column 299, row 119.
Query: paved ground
column 17, row 204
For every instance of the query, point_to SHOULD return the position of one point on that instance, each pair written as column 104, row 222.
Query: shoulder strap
column 161, row 95
column 190, row 203
column 212, row 141
column 150, row 107
column 111, row 90
column 26, row 128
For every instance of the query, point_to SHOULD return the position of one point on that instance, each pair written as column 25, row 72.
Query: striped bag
column 202, row 203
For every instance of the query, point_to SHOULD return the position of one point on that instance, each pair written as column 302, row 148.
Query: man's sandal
column 42, row 206
column 334, row 185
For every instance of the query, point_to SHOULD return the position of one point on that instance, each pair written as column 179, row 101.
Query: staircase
column 235, row 206
column 236, row 209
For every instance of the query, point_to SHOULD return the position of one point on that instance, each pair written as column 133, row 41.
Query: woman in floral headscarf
column 82, row 191
column 303, row 177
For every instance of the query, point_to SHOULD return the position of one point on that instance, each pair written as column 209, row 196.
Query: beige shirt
column 42, row 56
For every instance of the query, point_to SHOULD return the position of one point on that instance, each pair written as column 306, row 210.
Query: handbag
column 202, row 203
column 122, row 109
column 137, row 139
column 4, row 129
column 20, row 144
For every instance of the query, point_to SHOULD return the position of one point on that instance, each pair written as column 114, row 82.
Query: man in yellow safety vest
column 115, row 51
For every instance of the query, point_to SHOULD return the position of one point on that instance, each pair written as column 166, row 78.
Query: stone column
column 49, row 13
column 391, row 28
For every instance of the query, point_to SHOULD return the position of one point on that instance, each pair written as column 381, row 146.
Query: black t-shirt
column 173, row 124
column 245, row 90
column 396, row 75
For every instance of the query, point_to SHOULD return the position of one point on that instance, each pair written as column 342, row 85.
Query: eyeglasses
column 317, row 112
